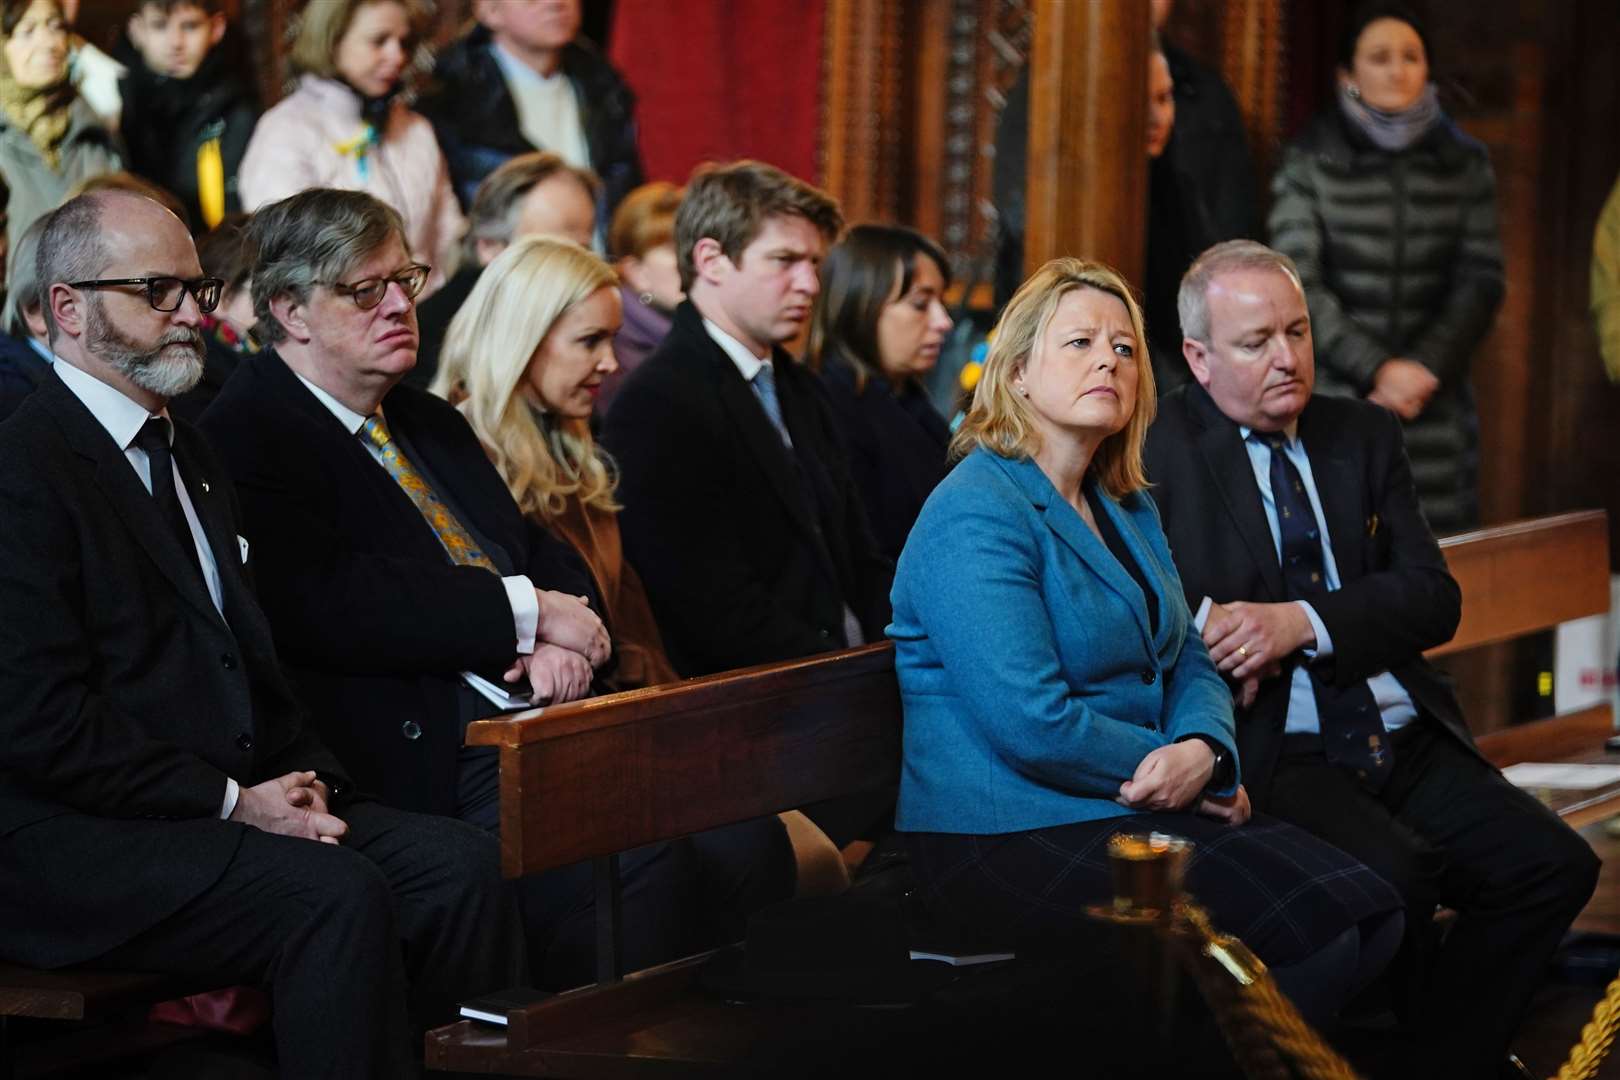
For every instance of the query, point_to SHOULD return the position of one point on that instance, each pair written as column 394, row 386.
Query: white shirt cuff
column 233, row 791
column 1324, row 644
column 1203, row 614
column 525, row 611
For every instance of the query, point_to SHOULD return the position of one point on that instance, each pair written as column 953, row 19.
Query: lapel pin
column 205, row 485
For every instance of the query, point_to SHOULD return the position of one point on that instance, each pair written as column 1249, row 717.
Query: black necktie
column 1353, row 732
column 154, row 439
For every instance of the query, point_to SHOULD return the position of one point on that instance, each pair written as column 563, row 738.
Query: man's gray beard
column 152, row 371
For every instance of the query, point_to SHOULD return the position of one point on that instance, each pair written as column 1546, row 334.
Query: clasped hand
column 290, row 805
column 1405, row 387
column 1169, row 778
column 1251, row 640
column 568, row 622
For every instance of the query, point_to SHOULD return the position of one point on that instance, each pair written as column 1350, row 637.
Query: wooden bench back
column 1527, row 576
column 612, row 773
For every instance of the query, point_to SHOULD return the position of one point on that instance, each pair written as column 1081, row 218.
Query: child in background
column 187, row 116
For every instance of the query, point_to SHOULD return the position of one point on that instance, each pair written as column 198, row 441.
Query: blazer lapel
column 1063, row 520
column 1222, row 450
column 129, row 498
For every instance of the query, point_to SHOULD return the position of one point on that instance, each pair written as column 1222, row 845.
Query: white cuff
column 1203, row 614
column 525, row 611
column 1324, row 644
column 233, row 791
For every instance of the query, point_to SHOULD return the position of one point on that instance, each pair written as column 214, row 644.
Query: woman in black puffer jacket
column 1389, row 211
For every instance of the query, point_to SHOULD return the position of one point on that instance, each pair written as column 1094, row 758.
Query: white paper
column 1537, row 774
column 495, row 695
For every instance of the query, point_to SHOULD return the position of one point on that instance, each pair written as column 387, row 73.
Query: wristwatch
column 1221, row 773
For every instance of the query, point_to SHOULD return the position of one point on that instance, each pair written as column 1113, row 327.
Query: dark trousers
column 1448, row 830
column 359, row 944
column 678, row 897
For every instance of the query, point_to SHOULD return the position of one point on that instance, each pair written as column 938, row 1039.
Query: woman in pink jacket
column 344, row 126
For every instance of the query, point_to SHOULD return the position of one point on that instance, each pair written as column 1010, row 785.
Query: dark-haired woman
column 1389, row 211
column 346, row 127
column 879, row 326
column 50, row 138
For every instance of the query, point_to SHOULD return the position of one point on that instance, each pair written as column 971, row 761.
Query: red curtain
column 720, row 79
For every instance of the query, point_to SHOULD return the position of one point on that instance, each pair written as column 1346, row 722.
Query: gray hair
column 70, row 249
column 494, row 211
column 1192, row 301
column 22, row 280
column 313, row 237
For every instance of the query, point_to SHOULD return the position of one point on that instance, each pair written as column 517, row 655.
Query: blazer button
column 411, row 729
column 227, row 661
column 826, row 635
column 244, row 742
column 1149, row 677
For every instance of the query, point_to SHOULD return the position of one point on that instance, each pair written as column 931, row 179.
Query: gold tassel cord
column 1263, row 1029
column 1596, row 1037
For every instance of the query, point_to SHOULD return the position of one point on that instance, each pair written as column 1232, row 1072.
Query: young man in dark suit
column 739, row 512
column 1317, row 586
column 163, row 806
column 403, row 582
column 738, row 508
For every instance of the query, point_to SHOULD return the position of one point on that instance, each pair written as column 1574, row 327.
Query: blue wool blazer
column 1031, row 682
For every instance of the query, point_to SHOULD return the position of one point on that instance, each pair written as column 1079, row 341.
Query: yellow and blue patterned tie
column 457, row 541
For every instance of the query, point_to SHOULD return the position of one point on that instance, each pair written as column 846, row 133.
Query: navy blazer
column 1031, row 680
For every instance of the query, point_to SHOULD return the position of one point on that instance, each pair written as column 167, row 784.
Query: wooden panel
column 860, row 136
column 74, row 994
column 616, row 772
column 1574, row 736
column 1528, row 576
column 1087, row 172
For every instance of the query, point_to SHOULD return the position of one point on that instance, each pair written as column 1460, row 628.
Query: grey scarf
column 1392, row 131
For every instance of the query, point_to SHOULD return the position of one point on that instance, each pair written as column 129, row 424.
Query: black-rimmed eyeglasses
column 166, row 293
column 367, row 293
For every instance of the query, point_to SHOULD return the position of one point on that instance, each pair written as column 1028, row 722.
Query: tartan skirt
column 1280, row 889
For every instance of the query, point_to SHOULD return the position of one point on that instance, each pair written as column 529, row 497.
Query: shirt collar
column 121, row 415
column 346, row 416
column 1291, row 432
column 747, row 363
column 513, row 68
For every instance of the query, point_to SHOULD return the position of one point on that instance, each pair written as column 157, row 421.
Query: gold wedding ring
column 1243, row 651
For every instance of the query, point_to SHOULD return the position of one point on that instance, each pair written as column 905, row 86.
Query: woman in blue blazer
column 1055, row 689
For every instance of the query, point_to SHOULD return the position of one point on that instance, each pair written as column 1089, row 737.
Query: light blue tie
column 764, row 385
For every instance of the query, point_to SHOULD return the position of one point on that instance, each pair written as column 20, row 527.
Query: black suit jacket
column 748, row 551
column 1396, row 597
column 126, row 700
column 897, row 449
column 375, row 623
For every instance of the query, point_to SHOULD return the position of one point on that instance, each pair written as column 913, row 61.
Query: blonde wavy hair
column 545, row 460
column 1001, row 420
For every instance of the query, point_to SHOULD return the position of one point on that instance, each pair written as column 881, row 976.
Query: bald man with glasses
column 164, row 804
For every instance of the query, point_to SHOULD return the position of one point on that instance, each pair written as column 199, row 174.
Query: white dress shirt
column 123, row 417
column 520, row 594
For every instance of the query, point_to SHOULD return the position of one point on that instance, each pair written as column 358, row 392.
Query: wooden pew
column 601, row 776
column 597, row 777
column 1526, row 577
